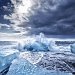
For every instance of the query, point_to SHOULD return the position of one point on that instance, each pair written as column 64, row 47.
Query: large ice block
column 39, row 43
column 6, row 56
column 24, row 67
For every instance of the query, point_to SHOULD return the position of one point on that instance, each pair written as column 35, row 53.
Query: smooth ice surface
column 24, row 67
column 6, row 56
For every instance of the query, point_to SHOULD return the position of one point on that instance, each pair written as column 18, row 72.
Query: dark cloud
column 6, row 8
column 53, row 17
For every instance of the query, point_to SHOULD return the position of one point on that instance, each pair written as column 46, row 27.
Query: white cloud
column 20, row 13
column 5, row 25
column 23, row 9
column 36, row 13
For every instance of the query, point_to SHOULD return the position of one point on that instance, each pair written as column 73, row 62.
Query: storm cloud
column 51, row 17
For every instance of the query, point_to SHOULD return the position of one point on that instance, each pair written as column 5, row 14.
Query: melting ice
column 38, row 43
column 27, row 54
column 24, row 67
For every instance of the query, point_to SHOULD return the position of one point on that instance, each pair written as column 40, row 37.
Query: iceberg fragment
column 6, row 56
column 72, row 46
column 24, row 67
column 39, row 43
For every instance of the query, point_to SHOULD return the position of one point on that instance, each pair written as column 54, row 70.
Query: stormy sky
column 28, row 17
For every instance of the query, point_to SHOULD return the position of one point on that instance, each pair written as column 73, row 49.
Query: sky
column 54, row 18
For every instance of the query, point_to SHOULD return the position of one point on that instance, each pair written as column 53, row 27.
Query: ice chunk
column 6, row 56
column 72, row 48
column 38, row 43
column 36, row 46
column 23, row 67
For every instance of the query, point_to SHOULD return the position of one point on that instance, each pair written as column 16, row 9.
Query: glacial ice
column 6, row 56
column 72, row 48
column 30, row 53
column 38, row 43
column 24, row 67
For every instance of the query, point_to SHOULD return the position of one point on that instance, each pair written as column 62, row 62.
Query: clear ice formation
column 39, row 43
column 24, row 67
column 6, row 57
column 28, row 54
column 72, row 48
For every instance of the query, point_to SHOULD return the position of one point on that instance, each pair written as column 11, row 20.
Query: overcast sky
column 28, row 17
